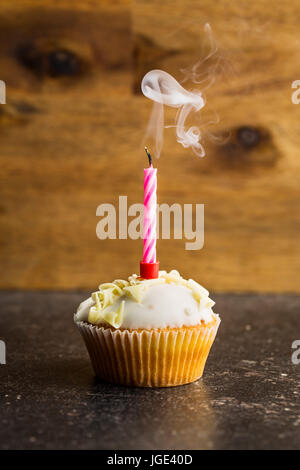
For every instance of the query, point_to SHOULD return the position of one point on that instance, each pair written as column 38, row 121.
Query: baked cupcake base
column 149, row 358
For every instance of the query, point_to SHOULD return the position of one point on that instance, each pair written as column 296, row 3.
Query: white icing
column 83, row 309
column 163, row 305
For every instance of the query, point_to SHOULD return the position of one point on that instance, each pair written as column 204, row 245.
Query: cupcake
column 148, row 332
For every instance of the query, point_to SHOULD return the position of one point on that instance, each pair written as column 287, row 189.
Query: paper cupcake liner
column 149, row 358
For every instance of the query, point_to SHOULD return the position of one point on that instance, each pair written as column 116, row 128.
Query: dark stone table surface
column 248, row 397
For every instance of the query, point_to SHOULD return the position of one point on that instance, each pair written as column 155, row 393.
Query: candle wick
column 149, row 156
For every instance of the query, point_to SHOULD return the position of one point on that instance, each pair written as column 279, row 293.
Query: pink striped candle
column 149, row 267
column 149, row 229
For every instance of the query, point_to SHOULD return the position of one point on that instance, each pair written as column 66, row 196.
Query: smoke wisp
column 165, row 90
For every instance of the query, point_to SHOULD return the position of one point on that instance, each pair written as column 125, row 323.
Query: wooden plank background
column 73, row 126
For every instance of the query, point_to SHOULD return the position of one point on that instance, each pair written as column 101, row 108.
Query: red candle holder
column 149, row 270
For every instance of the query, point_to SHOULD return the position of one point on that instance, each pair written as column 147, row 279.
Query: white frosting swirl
column 169, row 301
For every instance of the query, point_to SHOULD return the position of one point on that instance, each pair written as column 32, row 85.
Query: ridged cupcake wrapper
column 150, row 358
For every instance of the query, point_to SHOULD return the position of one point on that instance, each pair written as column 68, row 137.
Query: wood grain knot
column 52, row 63
column 62, row 63
column 247, row 147
column 248, row 136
